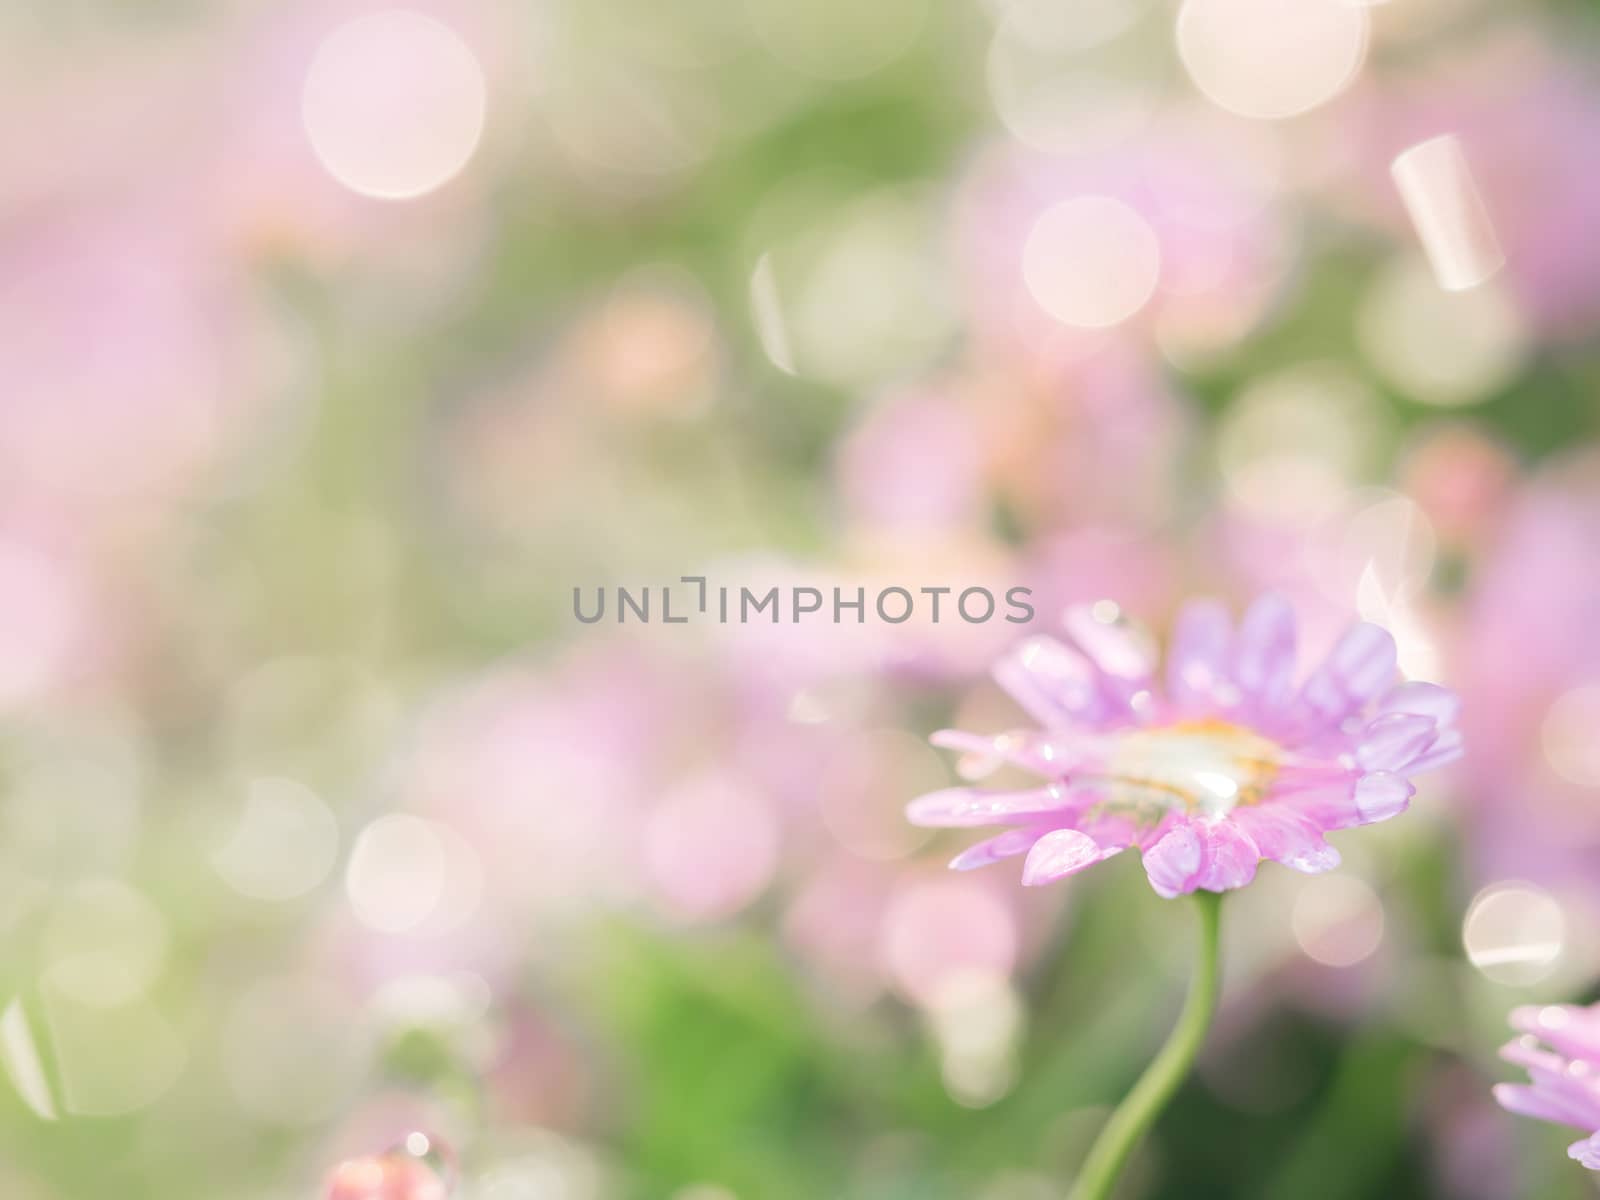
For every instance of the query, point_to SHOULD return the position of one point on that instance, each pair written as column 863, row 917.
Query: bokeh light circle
column 1271, row 59
column 1294, row 441
column 407, row 874
column 1440, row 347
column 283, row 844
column 1514, row 933
column 1063, row 80
column 1570, row 736
column 863, row 296
column 1091, row 261
column 105, row 944
column 1337, row 920
column 394, row 104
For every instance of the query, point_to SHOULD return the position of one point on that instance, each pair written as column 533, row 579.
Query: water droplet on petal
column 1106, row 612
column 976, row 764
column 1554, row 1017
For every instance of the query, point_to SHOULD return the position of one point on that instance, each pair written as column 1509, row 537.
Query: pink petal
column 1394, row 740
column 1264, row 655
column 1119, row 648
column 1040, row 753
column 1053, row 683
column 1442, row 753
column 1228, row 857
column 1173, row 863
column 1121, row 830
column 1586, row 1152
column 1545, row 1105
column 1325, row 804
column 1381, row 795
column 1197, row 660
column 1573, row 1031
column 958, row 808
column 1526, row 1052
column 1007, row 845
column 1287, row 837
column 1060, row 853
column 1423, row 700
column 1359, row 667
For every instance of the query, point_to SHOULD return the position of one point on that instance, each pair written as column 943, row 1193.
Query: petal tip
column 1060, row 853
column 1586, row 1151
column 1380, row 795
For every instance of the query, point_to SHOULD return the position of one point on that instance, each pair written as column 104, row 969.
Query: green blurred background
column 339, row 344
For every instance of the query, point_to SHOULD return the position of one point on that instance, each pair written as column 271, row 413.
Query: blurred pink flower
column 1525, row 656
column 833, row 922
column 939, row 931
column 1139, row 571
column 540, row 1073
column 1461, row 477
column 385, row 1177
column 499, row 757
column 384, row 1118
column 51, row 607
column 1102, row 443
column 634, row 771
column 116, row 363
column 913, row 465
column 1473, row 1157
column 710, row 847
column 1560, row 1048
column 1231, row 765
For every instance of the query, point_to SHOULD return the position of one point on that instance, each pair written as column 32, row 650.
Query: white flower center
column 1207, row 767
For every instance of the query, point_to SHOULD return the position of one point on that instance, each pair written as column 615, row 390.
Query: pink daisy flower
column 1560, row 1048
column 1226, row 764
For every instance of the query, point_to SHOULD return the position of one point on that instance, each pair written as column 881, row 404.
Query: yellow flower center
column 1205, row 767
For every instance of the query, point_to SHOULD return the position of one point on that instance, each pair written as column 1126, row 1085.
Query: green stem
column 1159, row 1083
